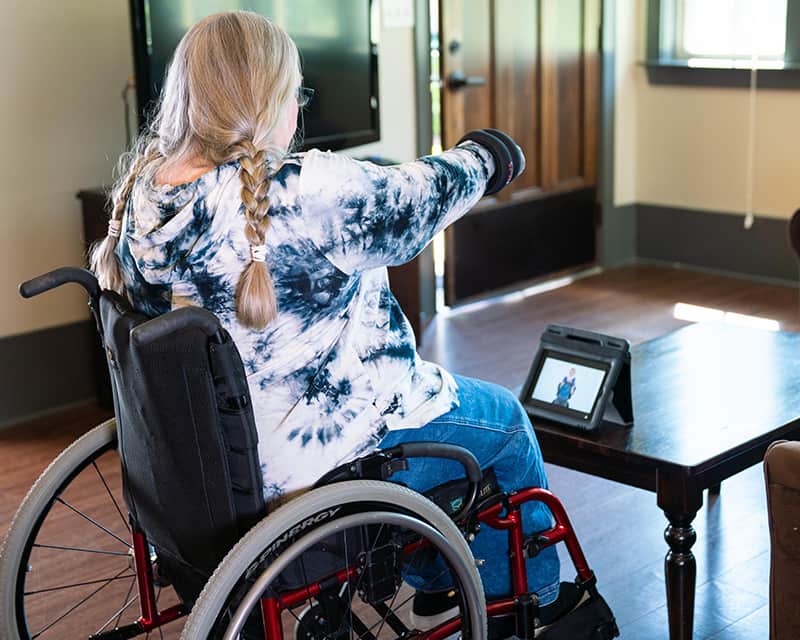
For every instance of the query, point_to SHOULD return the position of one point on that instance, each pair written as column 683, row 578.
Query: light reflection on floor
column 696, row 313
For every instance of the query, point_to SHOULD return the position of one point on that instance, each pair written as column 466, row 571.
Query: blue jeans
column 492, row 424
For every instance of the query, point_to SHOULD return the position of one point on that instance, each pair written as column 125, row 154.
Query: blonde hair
column 230, row 78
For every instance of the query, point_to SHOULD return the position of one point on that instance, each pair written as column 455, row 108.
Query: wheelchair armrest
column 451, row 452
column 441, row 450
column 382, row 464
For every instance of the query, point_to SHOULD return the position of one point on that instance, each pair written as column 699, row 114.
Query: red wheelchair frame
column 503, row 515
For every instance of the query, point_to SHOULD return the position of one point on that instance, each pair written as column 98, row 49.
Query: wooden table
column 708, row 401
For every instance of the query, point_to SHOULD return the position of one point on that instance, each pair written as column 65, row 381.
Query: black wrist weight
column 508, row 157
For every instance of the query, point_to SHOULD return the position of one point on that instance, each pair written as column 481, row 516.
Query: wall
column 682, row 175
column 61, row 122
column 687, row 147
column 397, row 87
column 628, row 48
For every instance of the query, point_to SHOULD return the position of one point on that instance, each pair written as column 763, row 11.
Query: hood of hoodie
column 164, row 222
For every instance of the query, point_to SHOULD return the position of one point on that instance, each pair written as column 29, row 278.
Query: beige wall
column 396, row 79
column 688, row 146
column 628, row 48
column 61, row 120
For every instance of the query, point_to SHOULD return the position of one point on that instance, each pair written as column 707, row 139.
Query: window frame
column 665, row 66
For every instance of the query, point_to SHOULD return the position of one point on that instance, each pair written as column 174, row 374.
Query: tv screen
column 337, row 48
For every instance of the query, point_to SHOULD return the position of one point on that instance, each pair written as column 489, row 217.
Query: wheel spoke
column 389, row 610
column 350, row 592
column 363, row 573
column 303, row 624
column 118, row 614
column 394, row 597
column 360, row 628
column 94, row 522
column 78, row 604
column 434, row 579
column 111, row 495
column 127, row 595
column 160, row 633
column 81, row 549
column 80, row 584
column 391, row 619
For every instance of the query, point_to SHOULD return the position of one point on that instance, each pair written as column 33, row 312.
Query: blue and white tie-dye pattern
column 338, row 367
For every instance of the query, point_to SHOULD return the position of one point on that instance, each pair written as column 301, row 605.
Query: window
column 731, row 29
column 724, row 34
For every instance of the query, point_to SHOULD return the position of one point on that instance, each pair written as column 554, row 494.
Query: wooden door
column 530, row 68
column 569, row 92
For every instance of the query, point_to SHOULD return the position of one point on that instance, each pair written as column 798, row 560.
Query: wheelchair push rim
column 250, row 592
column 66, row 570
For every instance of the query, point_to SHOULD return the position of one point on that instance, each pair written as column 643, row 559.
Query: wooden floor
column 621, row 528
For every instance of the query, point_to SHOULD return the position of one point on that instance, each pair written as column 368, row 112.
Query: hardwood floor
column 620, row 528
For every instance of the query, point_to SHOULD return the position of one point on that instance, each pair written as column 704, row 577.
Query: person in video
column 290, row 251
column 566, row 388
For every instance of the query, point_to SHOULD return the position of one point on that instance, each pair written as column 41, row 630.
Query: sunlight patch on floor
column 696, row 313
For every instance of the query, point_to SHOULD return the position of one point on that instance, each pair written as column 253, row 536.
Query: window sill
column 720, row 74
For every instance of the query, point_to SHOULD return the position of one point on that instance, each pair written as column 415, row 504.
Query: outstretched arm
column 363, row 216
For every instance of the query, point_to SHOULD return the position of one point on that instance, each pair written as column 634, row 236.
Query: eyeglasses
column 304, row 95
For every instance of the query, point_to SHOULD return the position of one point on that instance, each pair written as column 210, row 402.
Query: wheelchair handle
column 452, row 452
column 57, row 277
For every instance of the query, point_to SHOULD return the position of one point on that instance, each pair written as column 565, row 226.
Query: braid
column 256, row 303
column 102, row 258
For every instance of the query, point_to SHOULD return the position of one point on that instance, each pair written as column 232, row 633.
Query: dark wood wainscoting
column 503, row 244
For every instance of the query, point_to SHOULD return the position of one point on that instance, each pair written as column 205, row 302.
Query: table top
column 702, row 395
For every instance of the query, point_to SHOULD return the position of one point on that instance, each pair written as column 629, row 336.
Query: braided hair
column 102, row 259
column 224, row 95
column 256, row 303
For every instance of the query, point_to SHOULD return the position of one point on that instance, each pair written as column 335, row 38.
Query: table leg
column 680, row 499
column 680, row 570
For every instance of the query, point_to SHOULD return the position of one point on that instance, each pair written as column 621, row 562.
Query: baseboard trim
column 725, row 273
column 47, row 370
column 715, row 241
column 52, row 411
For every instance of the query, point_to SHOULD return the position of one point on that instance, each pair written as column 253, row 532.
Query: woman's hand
column 509, row 161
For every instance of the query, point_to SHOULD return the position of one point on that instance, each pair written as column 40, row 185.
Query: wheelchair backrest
column 187, row 435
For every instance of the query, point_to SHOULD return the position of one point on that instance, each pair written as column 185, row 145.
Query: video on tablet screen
column 569, row 385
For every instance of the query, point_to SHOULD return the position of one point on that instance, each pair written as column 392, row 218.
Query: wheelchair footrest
column 592, row 620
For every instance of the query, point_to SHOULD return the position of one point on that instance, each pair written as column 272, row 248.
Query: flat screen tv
column 337, row 47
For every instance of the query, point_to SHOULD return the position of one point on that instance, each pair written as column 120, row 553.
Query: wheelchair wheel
column 337, row 563
column 66, row 567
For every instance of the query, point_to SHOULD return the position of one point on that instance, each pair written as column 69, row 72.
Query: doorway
column 532, row 69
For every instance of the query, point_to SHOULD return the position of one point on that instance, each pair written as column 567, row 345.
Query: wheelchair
column 107, row 551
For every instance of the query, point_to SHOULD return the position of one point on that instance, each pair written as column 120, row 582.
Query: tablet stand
column 620, row 409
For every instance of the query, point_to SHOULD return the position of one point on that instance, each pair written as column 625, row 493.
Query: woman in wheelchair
column 289, row 252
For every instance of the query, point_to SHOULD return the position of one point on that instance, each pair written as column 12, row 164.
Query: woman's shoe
column 570, row 597
column 432, row 608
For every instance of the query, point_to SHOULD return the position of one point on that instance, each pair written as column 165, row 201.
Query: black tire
column 260, row 560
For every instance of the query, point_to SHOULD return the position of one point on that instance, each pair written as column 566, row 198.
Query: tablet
column 577, row 376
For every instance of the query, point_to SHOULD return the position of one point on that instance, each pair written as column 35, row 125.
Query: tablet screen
column 569, row 385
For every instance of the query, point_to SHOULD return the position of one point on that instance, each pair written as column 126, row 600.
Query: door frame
column 616, row 227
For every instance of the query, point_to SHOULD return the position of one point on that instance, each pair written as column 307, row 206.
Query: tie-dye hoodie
column 338, row 365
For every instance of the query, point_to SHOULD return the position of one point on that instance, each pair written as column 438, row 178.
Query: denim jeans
column 492, row 424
